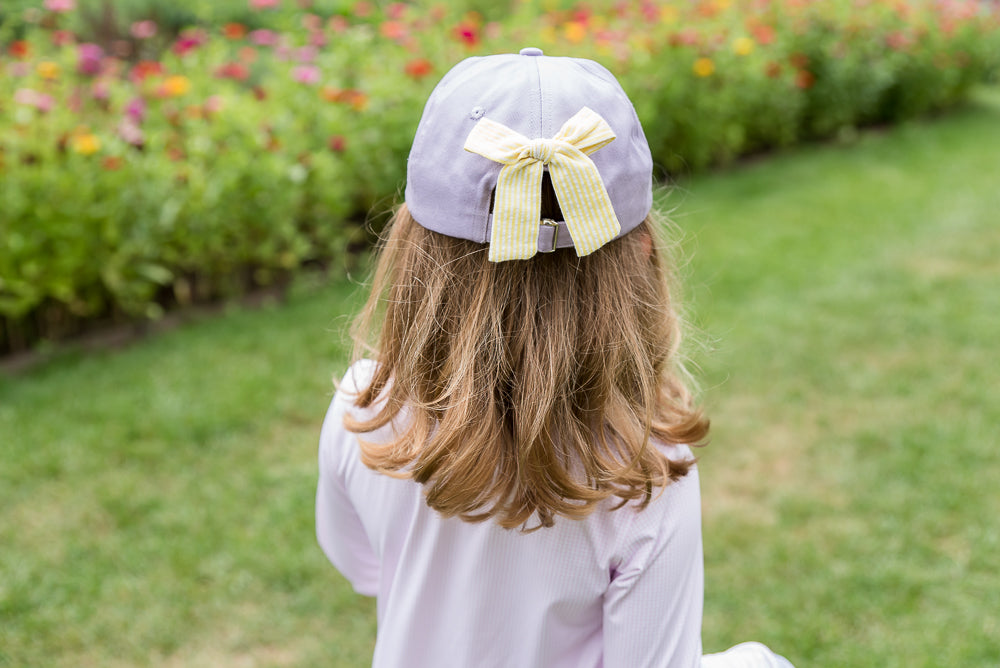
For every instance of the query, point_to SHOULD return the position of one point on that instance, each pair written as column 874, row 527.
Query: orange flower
column 357, row 99
column 804, row 79
column 234, row 30
column 704, row 67
column 146, row 68
column 773, row 69
column 112, row 163
column 394, row 30
column 48, row 70
column 85, row 143
column 418, row 68
column 175, row 86
column 764, row 34
column 575, row 32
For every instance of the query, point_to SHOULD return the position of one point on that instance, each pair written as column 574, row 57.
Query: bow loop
column 586, row 206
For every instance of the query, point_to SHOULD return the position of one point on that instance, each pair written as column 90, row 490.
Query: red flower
column 146, row 68
column 799, row 60
column 235, row 71
column 898, row 40
column 804, row 79
column 418, row 68
column 337, row 143
column 234, row 30
column 20, row 49
column 112, row 163
column 773, row 69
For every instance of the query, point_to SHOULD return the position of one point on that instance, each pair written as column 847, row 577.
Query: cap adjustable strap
column 583, row 199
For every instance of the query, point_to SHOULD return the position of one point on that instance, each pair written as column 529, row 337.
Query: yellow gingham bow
column 517, row 203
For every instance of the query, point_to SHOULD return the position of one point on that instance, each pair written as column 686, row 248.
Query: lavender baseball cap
column 449, row 189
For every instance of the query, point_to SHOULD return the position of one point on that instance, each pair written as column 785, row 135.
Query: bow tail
column 516, row 212
column 585, row 204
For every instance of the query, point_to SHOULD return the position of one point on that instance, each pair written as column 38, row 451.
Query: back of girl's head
column 531, row 387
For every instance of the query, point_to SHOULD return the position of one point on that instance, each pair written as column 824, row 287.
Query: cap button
column 531, row 51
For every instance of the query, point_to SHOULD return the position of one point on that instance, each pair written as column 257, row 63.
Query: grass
column 157, row 500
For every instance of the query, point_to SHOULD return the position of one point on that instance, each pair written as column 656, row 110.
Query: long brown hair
column 531, row 388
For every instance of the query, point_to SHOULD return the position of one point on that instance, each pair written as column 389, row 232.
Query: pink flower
column 19, row 69
column 33, row 98
column 89, row 57
column 131, row 132
column 307, row 74
column 214, row 104
column 62, row 37
column 306, row 54
column 60, row 6
column 101, row 90
column 318, row 39
column 312, row 22
column 143, row 29
column 264, row 37
column 264, row 4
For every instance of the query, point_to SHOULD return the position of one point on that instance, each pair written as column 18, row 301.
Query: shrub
column 154, row 152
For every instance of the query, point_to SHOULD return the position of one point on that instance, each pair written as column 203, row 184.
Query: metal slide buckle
column 548, row 222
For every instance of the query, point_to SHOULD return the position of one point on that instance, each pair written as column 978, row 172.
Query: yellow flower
column 668, row 14
column 48, row 70
column 575, row 32
column 743, row 46
column 85, row 144
column 177, row 85
column 704, row 67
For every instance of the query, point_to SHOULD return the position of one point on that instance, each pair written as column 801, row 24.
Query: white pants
column 745, row 655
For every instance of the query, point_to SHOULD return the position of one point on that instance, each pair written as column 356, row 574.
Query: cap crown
column 448, row 189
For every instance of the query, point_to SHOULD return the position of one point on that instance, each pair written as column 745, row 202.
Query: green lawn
column 157, row 500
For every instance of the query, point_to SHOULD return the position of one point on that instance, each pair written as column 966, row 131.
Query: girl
column 510, row 472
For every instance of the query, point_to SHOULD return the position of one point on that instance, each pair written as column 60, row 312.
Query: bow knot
column 541, row 150
column 583, row 199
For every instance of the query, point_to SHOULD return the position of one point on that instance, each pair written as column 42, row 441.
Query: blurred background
column 189, row 192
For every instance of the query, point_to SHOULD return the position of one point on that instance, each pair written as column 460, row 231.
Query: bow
column 517, row 203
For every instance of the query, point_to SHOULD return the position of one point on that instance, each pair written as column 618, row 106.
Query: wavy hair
column 531, row 389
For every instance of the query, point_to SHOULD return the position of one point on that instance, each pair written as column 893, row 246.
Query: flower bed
column 162, row 157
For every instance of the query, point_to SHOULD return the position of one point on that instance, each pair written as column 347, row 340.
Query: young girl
column 509, row 473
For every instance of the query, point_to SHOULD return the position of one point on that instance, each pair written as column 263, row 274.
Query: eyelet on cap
column 531, row 51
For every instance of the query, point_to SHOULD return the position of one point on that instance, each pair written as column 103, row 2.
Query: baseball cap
column 494, row 124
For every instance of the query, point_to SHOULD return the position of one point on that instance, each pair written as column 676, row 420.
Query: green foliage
column 239, row 142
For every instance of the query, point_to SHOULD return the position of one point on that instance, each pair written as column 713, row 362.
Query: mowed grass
column 157, row 500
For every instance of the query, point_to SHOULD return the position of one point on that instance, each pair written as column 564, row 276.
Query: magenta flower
column 307, row 74
column 89, row 58
column 263, row 37
column 189, row 41
column 135, row 110
column 143, row 29
column 264, row 4
column 60, row 6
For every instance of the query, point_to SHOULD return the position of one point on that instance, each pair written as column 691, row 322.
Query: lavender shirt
column 618, row 589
